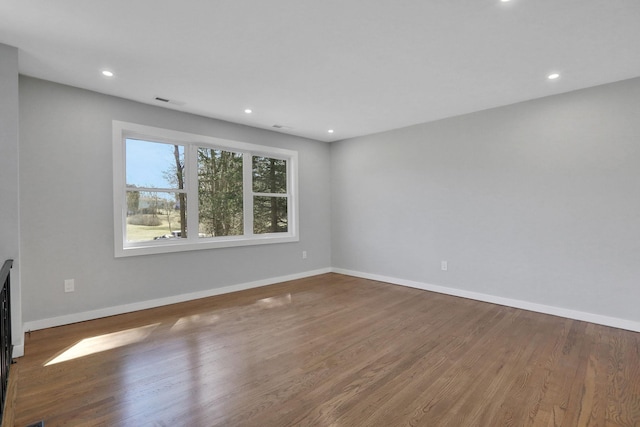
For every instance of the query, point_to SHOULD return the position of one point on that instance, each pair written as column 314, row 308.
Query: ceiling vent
column 169, row 101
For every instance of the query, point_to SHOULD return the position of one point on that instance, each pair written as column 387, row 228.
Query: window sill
column 152, row 247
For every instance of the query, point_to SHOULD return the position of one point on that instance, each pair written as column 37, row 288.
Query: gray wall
column 67, row 212
column 9, row 187
column 537, row 201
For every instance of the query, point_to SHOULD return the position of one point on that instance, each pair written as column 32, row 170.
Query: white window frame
column 124, row 130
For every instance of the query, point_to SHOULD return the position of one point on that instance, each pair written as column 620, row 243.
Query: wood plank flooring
column 330, row 350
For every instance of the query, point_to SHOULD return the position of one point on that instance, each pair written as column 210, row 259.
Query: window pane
column 155, row 215
column 154, row 165
column 269, row 215
column 269, row 175
column 220, row 193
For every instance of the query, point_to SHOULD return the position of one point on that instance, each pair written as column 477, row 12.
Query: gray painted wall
column 537, row 201
column 66, row 207
column 9, row 240
column 9, row 184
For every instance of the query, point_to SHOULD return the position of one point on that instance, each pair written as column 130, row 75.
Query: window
column 175, row 191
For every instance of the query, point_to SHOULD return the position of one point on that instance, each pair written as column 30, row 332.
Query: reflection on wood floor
column 330, row 350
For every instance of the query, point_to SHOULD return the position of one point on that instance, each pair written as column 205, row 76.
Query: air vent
column 169, row 101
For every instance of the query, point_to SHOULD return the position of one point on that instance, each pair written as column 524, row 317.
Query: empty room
column 334, row 213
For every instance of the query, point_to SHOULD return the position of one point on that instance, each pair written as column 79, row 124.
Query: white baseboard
column 143, row 305
column 18, row 350
column 615, row 322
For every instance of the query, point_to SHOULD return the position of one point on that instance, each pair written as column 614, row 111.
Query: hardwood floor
column 330, row 350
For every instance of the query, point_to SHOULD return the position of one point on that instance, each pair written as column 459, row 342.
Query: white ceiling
column 356, row 66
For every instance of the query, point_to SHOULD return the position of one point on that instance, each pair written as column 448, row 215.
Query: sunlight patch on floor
column 104, row 342
column 272, row 302
column 196, row 319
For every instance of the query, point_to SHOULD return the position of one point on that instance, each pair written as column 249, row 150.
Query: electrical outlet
column 443, row 265
column 69, row 285
column 304, row 254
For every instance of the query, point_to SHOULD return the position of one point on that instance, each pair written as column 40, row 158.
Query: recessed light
column 553, row 76
column 248, row 111
column 107, row 73
column 330, row 131
column 505, row 1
